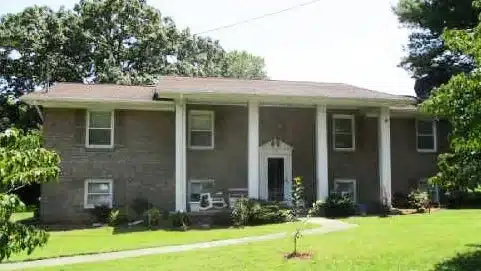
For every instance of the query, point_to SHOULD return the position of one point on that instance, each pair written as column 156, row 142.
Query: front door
column 275, row 179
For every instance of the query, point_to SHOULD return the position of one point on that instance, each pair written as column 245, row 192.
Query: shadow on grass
column 467, row 261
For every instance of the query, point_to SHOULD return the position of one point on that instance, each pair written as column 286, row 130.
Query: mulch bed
column 298, row 255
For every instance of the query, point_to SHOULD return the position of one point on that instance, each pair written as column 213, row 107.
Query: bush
column 222, row 219
column 418, row 200
column 152, row 217
column 181, row 220
column 463, row 199
column 100, row 213
column 253, row 212
column 117, row 217
column 334, row 206
column 400, row 200
column 140, row 205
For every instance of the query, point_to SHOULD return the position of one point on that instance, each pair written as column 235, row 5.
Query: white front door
column 275, row 171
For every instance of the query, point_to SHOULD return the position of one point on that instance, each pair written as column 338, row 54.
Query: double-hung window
column 426, row 139
column 100, row 129
column 201, row 129
column 346, row 188
column 343, row 132
column 98, row 193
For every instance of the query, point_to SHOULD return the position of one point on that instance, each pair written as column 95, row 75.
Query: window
column 426, row 135
column 198, row 187
column 100, row 129
column 346, row 188
column 343, row 132
column 98, row 193
column 201, row 129
column 431, row 189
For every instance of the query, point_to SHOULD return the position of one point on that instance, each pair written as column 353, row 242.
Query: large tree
column 241, row 64
column 104, row 41
column 23, row 162
column 459, row 101
column 429, row 60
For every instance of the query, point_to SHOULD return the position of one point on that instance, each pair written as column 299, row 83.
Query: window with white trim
column 201, row 129
column 197, row 187
column 98, row 193
column 345, row 187
column 426, row 138
column 343, row 132
column 100, row 129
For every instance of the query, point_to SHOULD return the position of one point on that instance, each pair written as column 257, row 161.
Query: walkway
column 327, row 225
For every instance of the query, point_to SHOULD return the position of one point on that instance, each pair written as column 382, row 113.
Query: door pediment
column 276, row 145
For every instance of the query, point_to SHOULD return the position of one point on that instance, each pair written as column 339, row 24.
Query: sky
column 344, row 41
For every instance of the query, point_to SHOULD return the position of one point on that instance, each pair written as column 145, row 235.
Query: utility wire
column 259, row 17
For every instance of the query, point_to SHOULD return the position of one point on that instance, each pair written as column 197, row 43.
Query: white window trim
column 87, row 129
column 198, row 181
column 86, row 191
column 434, row 135
column 353, row 181
column 212, row 116
column 353, row 126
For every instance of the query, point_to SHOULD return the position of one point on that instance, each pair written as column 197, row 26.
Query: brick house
column 171, row 142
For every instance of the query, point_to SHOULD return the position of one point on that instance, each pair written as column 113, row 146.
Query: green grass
column 445, row 240
column 22, row 216
column 105, row 239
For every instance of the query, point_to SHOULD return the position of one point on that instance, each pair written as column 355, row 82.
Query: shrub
column 334, row 206
column 117, row 217
column 253, row 212
column 100, row 213
column 419, row 200
column 181, row 220
column 140, row 205
column 152, row 217
column 463, row 199
column 400, row 200
column 222, row 219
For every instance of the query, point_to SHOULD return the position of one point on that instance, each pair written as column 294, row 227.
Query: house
column 171, row 142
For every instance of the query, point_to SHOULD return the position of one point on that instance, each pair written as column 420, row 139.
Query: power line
column 259, row 17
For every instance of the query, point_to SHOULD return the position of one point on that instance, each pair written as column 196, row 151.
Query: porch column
column 180, row 156
column 321, row 153
column 384, row 136
column 253, row 150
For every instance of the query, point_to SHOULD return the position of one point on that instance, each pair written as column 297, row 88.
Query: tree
column 429, row 61
column 459, row 101
column 241, row 64
column 22, row 162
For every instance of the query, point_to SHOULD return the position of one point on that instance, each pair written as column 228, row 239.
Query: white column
column 384, row 138
column 180, row 157
column 322, row 153
column 253, row 150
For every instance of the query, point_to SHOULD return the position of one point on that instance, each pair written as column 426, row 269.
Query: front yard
column 445, row 240
column 87, row 241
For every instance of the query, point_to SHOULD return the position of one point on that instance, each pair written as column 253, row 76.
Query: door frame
column 275, row 149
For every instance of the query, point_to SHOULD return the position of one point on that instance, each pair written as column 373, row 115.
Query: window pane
column 201, row 139
column 425, row 142
column 98, row 200
column 345, row 189
column 343, row 125
column 196, row 188
column 99, row 137
column 201, row 122
column 99, row 187
column 100, row 119
column 343, row 141
column 425, row 127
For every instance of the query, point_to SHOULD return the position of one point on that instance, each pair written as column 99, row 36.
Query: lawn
column 104, row 239
column 445, row 240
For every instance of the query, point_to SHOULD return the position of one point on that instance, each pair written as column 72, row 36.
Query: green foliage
column 419, row 200
column 117, row 217
column 152, row 217
column 139, row 205
column 334, row 206
column 429, row 60
column 400, row 200
column 463, row 199
column 181, row 220
column 101, row 213
column 249, row 212
column 297, row 196
column 241, row 64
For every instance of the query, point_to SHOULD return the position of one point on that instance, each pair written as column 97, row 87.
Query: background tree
column 241, row 64
column 429, row 60
column 22, row 162
column 459, row 101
